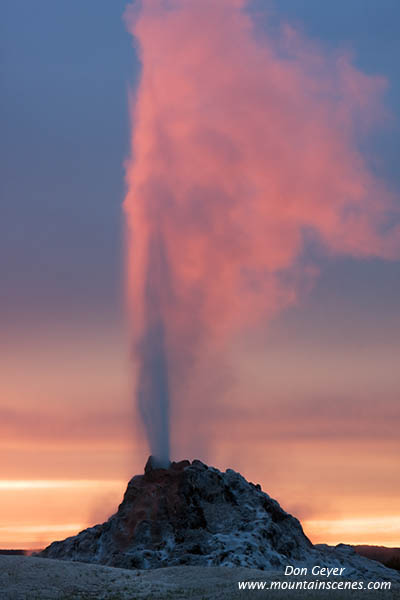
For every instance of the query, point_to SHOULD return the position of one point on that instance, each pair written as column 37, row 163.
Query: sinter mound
column 192, row 514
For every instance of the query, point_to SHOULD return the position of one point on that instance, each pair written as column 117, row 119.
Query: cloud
column 86, row 428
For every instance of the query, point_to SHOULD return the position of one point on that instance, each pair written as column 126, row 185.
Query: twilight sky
column 313, row 403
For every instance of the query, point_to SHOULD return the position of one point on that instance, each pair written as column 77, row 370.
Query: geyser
column 244, row 146
column 153, row 386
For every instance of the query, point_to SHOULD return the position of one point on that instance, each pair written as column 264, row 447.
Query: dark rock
column 193, row 514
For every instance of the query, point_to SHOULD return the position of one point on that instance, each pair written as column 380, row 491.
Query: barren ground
column 29, row 578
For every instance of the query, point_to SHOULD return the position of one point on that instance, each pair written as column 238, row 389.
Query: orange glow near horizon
column 57, row 509
column 40, row 484
column 80, row 504
column 356, row 531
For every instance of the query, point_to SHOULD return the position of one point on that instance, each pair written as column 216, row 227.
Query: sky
column 314, row 401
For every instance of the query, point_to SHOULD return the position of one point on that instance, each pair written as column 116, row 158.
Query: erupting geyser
column 152, row 386
column 244, row 146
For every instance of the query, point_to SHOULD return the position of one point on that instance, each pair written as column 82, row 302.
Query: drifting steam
column 244, row 146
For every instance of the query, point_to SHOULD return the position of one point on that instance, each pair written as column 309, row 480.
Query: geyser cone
column 192, row 514
column 154, row 463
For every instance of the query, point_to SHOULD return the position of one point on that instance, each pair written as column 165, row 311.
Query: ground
column 30, row 578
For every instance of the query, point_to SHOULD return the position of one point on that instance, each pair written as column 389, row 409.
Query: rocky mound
column 192, row 514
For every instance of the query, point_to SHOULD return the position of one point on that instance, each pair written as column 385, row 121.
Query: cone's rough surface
column 192, row 514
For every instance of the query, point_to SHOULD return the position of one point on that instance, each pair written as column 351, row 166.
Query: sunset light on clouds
column 260, row 161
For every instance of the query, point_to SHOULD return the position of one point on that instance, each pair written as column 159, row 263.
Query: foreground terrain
column 32, row 578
